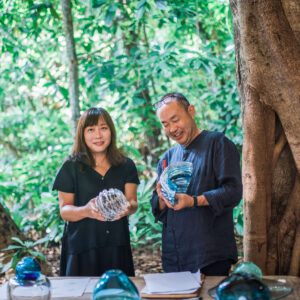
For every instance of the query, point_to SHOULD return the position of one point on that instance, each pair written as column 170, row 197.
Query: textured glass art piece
column 114, row 284
column 249, row 267
column 28, row 282
column 175, row 179
column 111, row 203
column 242, row 286
column 246, row 282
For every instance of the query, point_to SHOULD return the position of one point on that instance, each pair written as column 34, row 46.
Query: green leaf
column 41, row 241
column 12, row 247
column 16, row 239
column 140, row 12
column 141, row 3
column 38, row 255
column 160, row 4
column 110, row 13
column 53, row 12
column 99, row 3
column 15, row 259
column 6, row 267
column 64, row 92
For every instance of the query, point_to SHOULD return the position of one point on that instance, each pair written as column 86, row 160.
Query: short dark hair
column 170, row 97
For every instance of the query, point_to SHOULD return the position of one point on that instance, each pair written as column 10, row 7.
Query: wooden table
column 209, row 282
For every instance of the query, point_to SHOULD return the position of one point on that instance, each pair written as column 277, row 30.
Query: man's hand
column 163, row 202
column 184, row 201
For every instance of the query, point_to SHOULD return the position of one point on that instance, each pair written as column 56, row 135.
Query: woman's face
column 98, row 137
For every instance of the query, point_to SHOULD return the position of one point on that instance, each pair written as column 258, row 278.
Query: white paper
column 3, row 292
column 172, row 283
column 68, row 287
column 91, row 285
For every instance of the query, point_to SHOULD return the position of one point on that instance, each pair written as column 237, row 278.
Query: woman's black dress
column 91, row 247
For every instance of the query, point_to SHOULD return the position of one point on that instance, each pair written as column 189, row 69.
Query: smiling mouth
column 99, row 143
column 177, row 135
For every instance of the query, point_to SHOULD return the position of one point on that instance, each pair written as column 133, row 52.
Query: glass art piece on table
column 242, row 286
column 28, row 282
column 247, row 283
column 111, row 203
column 114, row 284
column 175, row 179
column 249, row 267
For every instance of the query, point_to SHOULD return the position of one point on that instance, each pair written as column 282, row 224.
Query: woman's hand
column 92, row 212
column 130, row 209
column 70, row 212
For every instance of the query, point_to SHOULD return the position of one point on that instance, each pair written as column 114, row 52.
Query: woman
column 90, row 245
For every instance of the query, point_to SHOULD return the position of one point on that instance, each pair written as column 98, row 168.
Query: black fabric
column 219, row 268
column 85, row 183
column 195, row 237
column 92, row 262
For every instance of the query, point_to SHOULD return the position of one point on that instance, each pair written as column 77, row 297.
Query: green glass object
column 249, row 267
column 114, row 284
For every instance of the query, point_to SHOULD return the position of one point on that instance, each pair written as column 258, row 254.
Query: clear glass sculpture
column 176, row 179
column 278, row 288
column 111, row 203
column 28, row 282
column 114, row 284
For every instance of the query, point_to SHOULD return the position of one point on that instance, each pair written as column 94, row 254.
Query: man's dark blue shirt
column 196, row 237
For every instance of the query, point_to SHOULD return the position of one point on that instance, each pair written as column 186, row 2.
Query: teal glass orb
column 114, row 284
column 249, row 267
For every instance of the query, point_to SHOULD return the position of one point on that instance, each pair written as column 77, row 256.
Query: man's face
column 178, row 123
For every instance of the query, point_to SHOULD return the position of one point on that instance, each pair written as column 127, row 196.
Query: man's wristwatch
column 195, row 201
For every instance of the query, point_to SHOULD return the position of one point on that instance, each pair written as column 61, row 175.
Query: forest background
column 130, row 53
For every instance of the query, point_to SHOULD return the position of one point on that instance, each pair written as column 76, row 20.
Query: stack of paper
column 73, row 287
column 172, row 283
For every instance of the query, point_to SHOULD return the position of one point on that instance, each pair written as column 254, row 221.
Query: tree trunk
column 267, row 42
column 73, row 63
column 151, row 137
column 8, row 229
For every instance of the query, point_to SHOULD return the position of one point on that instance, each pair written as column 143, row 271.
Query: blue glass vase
column 114, row 284
column 28, row 282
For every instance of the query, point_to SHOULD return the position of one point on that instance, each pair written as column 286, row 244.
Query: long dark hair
column 81, row 152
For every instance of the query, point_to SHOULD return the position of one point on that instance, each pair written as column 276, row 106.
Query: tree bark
column 267, row 43
column 8, row 229
column 73, row 63
column 152, row 138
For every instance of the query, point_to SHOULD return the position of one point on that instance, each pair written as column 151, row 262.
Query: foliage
column 143, row 228
column 20, row 249
column 238, row 219
column 129, row 54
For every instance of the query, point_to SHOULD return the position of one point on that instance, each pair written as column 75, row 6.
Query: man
column 198, row 231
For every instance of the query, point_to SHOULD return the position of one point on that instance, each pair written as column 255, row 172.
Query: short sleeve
column 131, row 175
column 65, row 178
